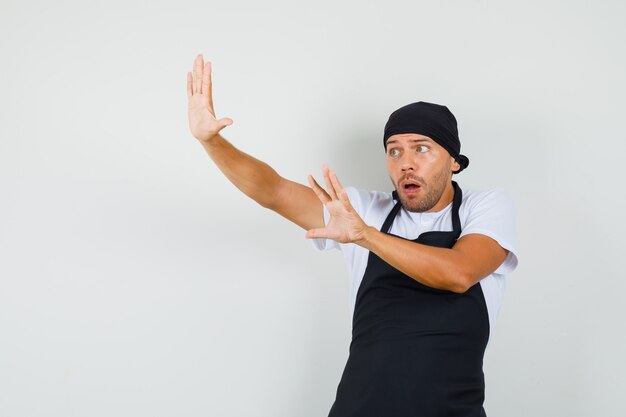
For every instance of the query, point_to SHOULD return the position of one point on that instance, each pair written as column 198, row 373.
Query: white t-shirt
column 491, row 213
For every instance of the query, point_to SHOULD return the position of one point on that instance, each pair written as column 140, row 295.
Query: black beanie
column 428, row 119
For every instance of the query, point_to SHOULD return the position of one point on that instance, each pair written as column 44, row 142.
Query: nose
column 407, row 163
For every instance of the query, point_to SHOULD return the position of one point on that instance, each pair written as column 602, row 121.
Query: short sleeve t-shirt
column 491, row 213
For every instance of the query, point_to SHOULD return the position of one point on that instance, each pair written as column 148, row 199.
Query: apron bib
column 416, row 351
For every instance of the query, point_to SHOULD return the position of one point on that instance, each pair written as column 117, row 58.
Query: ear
column 454, row 165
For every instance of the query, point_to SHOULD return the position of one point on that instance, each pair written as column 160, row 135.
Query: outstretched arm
column 473, row 257
column 296, row 202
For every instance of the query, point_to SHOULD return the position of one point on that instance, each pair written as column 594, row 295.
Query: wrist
column 212, row 142
column 365, row 237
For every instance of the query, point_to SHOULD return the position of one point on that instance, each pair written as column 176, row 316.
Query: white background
column 135, row 280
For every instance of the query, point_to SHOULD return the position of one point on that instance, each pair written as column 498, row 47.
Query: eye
column 422, row 148
column 394, row 152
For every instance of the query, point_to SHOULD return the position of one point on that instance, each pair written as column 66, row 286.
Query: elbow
column 460, row 283
column 272, row 195
column 464, row 281
column 267, row 199
column 459, row 288
column 268, row 204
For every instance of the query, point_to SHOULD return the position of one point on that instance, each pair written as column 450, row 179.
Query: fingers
column 319, row 191
column 197, row 74
column 345, row 200
column 335, row 181
column 207, row 87
column 339, row 189
column 334, row 186
column 189, row 85
column 199, row 82
column 205, row 78
column 329, row 185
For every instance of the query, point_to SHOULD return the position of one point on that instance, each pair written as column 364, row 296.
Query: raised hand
column 344, row 225
column 202, row 120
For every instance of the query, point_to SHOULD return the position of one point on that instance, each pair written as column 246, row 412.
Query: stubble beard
column 432, row 192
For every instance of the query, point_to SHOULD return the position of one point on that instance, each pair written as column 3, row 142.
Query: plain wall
column 135, row 280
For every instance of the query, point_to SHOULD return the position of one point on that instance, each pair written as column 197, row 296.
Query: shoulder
column 490, row 206
column 494, row 204
column 495, row 197
column 492, row 213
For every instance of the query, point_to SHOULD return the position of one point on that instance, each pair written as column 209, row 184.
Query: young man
column 427, row 262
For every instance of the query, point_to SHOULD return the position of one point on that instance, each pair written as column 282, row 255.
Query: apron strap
column 456, row 203
column 392, row 214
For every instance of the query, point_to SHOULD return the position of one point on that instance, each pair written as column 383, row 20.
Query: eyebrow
column 411, row 140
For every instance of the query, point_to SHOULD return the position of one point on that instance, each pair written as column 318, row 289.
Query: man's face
column 420, row 169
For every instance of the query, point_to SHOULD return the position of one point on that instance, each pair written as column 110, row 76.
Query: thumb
column 316, row 233
column 224, row 122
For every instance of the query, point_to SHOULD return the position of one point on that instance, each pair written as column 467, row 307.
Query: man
column 427, row 261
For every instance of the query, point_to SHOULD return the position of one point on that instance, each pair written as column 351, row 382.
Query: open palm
column 344, row 225
column 202, row 121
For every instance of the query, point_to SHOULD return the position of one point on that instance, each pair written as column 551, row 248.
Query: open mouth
column 411, row 186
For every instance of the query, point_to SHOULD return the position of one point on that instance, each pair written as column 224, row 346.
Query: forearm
column 253, row 177
column 432, row 266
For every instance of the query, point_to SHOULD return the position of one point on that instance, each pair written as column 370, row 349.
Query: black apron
column 416, row 351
